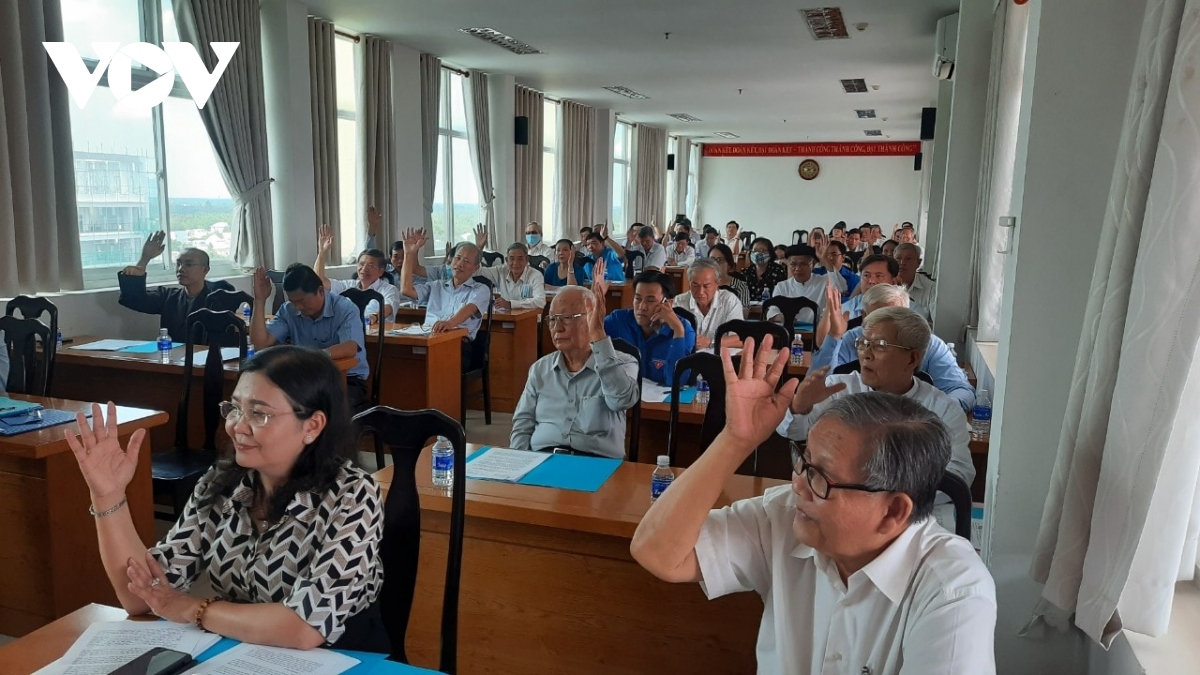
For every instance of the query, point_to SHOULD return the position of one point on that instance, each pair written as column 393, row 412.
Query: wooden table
column 548, row 585
column 421, row 371
column 49, row 560
column 678, row 276
column 618, row 296
column 48, row 643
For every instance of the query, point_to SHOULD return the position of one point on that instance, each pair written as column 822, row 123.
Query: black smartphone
column 157, row 661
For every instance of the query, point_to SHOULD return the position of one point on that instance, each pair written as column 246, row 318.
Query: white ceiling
column 716, row 47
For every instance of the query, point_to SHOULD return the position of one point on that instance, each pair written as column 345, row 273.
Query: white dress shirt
column 725, row 307
column 813, row 289
column 656, row 257
column 921, row 290
column 796, row 427
column 681, row 259
column 926, row 605
column 542, row 249
column 532, row 280
column 391, row 294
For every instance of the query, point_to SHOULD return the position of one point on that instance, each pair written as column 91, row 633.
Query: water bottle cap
column 664, row 460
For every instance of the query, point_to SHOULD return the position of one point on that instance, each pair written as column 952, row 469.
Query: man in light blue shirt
column 576, row 397
column 456, row 302
column 602, row 248
column 312, row 317
column 938, row 362
column 653, row 327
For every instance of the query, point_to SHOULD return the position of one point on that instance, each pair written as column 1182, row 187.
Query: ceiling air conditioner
column 945, row 47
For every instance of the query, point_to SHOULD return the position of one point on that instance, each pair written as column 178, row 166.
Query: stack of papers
column 108, row 645
column 227, row 354
column 248, row 659
column 653, row 392
column 414, row 329
column 504, row 464
column 109, row 345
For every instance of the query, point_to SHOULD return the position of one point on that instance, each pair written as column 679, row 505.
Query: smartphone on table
column 157, row 661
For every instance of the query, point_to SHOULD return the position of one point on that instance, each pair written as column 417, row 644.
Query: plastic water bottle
column 164, row 346
column 797, row 350
column 366, row 325
column 249, row 350
column 662, row 477
column 766, row 295
column 443, row 463
column 58, row 342
column 981, row 417
column 246, row 311
column 703, row 391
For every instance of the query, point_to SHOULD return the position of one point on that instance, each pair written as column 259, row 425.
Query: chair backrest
column 27, row 373
column 222, row 300
column 361, row 298
column 854, row 323
column 790, row 307
column 960, row 493
column 854, row 367
column 539, row 261
column 635, row 413
column 208, row 327
column 276, row 277
column 492, row 258
column 630, row 266
column 757, row 330
column 747, row 238
column 709, row 366
column 32, row 307
column 481, row 347
column 687, row 315
column 799, row 237
column 406, row 433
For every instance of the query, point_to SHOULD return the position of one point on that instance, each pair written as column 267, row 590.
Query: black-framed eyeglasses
column 818, row 482
column 567, row 320
column 862, row 344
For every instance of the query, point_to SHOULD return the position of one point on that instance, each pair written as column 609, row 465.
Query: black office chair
column 757, row 330
column 634, row 415
column 406, row 433
column 799, row 237
column 276, row 277
column 361, row 299
column 630, row 267
column 959, row 492
column 790, row 307
column 541, row 262
column 32, row 307
column 222, row 300
column 854, row 367
column 709, row 366
column 854, row 323
column 687, row 315
column 177, row 470
column 479, row 367
column 28, row 367
column 492, row 258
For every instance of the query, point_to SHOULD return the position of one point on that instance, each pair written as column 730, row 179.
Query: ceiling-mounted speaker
column 521, row 130
column 917, row 158
column 928, row 123
column 671, row 162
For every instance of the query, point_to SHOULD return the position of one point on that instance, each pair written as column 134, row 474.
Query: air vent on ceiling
column 858, row 86
column 873, row 132
column 501, row 40
column 627, row 92
column 726, row 134
column 684, row 117
column 825, row 23
column 868, row 114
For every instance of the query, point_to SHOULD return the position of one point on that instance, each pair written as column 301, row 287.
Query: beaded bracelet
column 200, row 612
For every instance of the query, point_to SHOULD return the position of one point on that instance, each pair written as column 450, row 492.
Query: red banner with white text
column 899, row 148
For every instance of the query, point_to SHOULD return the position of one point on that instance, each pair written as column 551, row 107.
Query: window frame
column 358, row 217
column 550, row 146
column 627, row 163
column 446, row 135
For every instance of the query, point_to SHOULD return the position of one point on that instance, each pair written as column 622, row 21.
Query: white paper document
column 414, row 329
column 108, row 645
column 227, row 354
column 733, row 351
column 505, row 464
column 246, row 659
column 653, row 392
column 108, row 345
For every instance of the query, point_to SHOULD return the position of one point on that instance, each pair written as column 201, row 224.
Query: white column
column 502, row 95
column 1078, row 69
column 287, row 89
column 937, row 158
column 406, row 111
column 602, row 193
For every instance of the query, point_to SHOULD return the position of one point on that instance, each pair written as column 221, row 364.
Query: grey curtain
column 322, row 71
column 650, row 168
column 235, row 117
column 376, row 135
column 529, row 161
column 576, row 156
column 39, row 240
column 479, row 138
column 431, row 89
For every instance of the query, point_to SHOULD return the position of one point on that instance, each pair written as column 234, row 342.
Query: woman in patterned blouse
column 763, row 272
column 287, row 529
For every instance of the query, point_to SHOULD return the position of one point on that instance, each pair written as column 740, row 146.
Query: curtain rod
column 456, row 70
column 352, row 36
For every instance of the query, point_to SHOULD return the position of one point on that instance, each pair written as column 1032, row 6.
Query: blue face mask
column 532, row 239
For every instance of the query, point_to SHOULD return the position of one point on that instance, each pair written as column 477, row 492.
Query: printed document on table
column 108, row 645
column 108, row 345
column 247, row 659
column 652, row 392
column 505, row 464
column 227, row 354
column 414, row 329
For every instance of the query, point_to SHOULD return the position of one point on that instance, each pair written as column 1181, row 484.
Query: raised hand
column 106, row 468
column 753, row 409
column 814, row 390
column 324, row 240
column 263, row 286
column 602, row 229
column 414, row 239
column 481, row 236
column 570, row 263
column 838, row 321
column 374, row 221
column 153, row 247
column 596, row 313
column 599, row 283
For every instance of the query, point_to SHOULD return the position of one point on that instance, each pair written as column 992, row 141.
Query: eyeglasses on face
column 255, row 418
column 879, row 346
column 818, row 482
column 368, row 266
column 567, row 320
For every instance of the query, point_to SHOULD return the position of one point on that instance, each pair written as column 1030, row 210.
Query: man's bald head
column 569, row 327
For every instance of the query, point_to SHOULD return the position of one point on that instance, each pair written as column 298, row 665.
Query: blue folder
column 369, row 662
column 567, row 472
column 148, row 348
column 686, row 395
column 19, row 424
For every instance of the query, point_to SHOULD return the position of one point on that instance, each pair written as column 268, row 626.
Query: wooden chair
column 32, row 307
column 361, row 299
column 960, row 493
column 479, row 367
column 29, row 367
column 635, row 413
column 406, row 433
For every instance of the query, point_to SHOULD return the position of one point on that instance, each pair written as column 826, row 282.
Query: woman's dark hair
column 725, row 251
column 780, row 248
column 568, row 242
column 311, row 383
column 301, row 277
column 770, row 246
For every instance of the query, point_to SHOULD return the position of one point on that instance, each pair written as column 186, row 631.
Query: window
column 456, row 208
column 622, row 153
column 137, row 172
column 350, row 212
column 668, row 215
column 550, row 178
column 693, row 183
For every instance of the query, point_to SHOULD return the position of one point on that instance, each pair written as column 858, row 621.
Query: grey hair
column 911, row 328
column 704, row 264
column 645, row 231
column 468, row 246
column 516, row 245
column 906, row 445
column 885, row 295
column 915, row 248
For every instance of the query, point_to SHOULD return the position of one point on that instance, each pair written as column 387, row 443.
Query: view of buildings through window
column 351, row 214
column 550, row 184
column 622, row 158
column 456, row 208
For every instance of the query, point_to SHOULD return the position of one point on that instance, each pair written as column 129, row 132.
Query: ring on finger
column 155, row 581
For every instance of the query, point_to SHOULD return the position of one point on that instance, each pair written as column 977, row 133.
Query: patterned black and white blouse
column 321, row 559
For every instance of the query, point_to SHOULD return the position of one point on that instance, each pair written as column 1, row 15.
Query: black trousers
column 356, row 391
column 365, row 632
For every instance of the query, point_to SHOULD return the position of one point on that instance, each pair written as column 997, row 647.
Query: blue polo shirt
column 660, row 351
column 551, row 275
column 444, row 301
column 850, row 278
column 614, row 267
column 339, row 322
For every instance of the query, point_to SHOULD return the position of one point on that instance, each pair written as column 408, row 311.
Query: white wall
column 767, row 195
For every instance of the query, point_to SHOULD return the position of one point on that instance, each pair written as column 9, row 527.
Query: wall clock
column 809, row 169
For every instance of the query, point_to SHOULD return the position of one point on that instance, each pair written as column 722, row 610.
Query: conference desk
column 678, row 276
column 49, row 560
column 548, row 585
column 420, row 371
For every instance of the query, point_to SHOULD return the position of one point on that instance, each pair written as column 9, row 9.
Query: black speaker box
column 671, row 162
column 917, row 161
column 928, row 122
column 521, row 130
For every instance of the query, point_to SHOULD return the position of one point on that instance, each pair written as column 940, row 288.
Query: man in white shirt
column 519, row 285
column 372, row 263
column 854, row 575
column 681, row 254
column 534, row 244
column 711, row 305
column 920, row 287
column 655, row 254
column 802, row 283
column 711, row 239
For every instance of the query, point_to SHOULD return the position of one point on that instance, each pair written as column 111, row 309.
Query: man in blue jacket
column 652, row 325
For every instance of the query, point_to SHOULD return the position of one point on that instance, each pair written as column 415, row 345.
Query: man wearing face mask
column 535, row 243
column 652, row 325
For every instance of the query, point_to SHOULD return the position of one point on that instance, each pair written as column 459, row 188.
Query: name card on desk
column 420, row 350
column 507, row 324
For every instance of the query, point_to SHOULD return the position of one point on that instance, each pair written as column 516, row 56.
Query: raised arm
column 259, row 335
column 612, row 243
column 412, row 243
column 324, row 244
